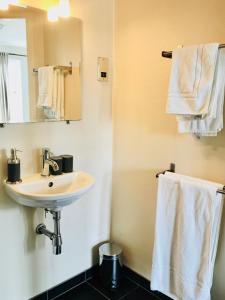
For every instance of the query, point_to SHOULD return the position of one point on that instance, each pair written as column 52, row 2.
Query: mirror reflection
column 39, row 67
column 13, row 71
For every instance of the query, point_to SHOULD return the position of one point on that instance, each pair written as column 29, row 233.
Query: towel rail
column 172, row 169
column 169, row 54
column 62, row 68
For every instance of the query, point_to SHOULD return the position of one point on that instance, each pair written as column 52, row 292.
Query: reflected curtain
column 4, row 109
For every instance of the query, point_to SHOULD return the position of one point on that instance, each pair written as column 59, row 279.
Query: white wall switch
column 103, row 68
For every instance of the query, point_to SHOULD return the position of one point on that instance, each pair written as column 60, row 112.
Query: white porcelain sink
column 51, row 192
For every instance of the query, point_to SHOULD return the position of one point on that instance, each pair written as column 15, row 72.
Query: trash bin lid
column 110, row 250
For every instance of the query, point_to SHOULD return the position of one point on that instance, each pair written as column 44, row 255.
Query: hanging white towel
column 191, row 79
column 58, row 95
column 51, row 92
column 187, row 229
column 62, row 95
column 45, row 86
column 213, row 122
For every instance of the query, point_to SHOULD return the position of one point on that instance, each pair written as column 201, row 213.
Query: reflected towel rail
column 172, row 169
column 62, row 68
column 169, row 54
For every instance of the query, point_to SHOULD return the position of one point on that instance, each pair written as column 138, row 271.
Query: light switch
column 103, row 68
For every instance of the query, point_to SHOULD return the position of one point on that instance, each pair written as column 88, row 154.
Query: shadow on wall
column 133, row 215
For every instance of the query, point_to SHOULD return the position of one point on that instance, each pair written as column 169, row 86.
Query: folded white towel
column 187, row 229
column 213, row 122
column 191, row 79
column 45, row 84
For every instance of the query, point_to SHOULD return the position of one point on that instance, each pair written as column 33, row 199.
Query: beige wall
column 28, row 266
column 145, row 138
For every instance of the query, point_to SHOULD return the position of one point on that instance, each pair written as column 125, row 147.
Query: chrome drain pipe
column 55, row 236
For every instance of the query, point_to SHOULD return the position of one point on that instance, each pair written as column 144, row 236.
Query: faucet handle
column 45, row 149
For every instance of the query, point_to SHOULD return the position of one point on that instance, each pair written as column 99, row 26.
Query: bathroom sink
column 51, row 192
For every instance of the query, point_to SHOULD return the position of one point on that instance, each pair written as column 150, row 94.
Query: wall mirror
column 39, row 67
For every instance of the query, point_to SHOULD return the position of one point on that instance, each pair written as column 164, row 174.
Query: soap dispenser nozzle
column 13, row 156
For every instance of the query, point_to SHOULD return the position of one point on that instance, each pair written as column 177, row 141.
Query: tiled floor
column 93, row 290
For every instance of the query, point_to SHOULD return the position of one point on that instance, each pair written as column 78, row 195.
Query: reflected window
column 18, row 101
column 13, row 46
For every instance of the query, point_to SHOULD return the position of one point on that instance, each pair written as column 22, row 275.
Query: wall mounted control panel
column 103, row 68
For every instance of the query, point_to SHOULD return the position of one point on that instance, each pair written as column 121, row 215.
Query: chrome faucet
column 47, row 161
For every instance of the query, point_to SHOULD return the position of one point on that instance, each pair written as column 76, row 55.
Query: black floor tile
column 125, row 286
column 82, row 292
column 65, row 286
column 162, row 296
column 140, row 294
column 143, row 282
column 42, row 296
column 91, row 272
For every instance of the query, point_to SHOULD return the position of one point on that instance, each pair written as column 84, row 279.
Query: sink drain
column 50, row 184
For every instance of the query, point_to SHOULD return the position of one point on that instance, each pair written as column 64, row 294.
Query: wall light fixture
column 53, row 14
column 61, row 10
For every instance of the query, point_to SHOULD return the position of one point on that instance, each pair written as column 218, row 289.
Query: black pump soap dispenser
column 14, row 167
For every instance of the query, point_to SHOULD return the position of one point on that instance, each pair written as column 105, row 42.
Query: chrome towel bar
column 169, row 54
column 62, row 68
column 172, row 169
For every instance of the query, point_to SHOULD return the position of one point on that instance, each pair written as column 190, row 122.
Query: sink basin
column 51, row 192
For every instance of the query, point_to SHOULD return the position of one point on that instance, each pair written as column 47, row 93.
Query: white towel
column 45, row 84
column 191, row 79
column 58, row 95
column 213, row 122
column 187, row 229
column 51, row 92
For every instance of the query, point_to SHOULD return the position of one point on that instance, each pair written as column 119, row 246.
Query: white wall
column 145, row 138
column 28, row 266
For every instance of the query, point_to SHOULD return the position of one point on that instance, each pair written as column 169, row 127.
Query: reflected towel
column 51, row 92
column 45, row 86
column 58, row 95
column 186, row 236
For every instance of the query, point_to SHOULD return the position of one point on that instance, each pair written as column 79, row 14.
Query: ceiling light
column 53, row 14
column 64, row 8
column 4, row 4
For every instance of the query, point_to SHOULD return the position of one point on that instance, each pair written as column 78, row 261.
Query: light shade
column 53, row 14
column 64, row 8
